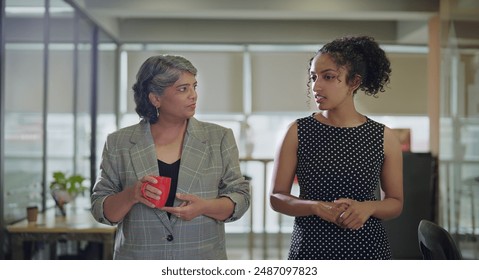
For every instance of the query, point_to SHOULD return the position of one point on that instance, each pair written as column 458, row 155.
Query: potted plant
column 65, row 189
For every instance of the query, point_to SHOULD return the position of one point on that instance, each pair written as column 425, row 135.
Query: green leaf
column 72, row 184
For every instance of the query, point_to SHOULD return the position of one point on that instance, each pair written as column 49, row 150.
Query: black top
column 170, row 170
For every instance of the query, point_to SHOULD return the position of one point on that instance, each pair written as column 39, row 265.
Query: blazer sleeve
column 233, row 184
column 108, row 183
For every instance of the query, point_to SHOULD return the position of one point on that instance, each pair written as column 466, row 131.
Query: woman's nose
column 193, row 94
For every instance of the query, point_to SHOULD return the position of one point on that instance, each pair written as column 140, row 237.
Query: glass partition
column 25, row 89
column 459, row 124
column 49, row 101
column 60, row 95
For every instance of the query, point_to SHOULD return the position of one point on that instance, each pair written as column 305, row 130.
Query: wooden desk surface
column 77, row 225
column 76, row 221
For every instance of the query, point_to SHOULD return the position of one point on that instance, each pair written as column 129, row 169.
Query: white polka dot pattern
column 335, row 162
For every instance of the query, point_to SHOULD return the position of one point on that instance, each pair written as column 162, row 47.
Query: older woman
column 200, row 159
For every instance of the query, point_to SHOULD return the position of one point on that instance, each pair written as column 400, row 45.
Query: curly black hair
column 155, row 75
column 362, row 56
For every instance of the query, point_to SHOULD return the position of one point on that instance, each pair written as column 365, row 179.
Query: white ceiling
column 265, row 9
column 264, row 21
column 271, row 17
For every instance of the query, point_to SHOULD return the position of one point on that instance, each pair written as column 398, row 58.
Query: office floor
column 469, row 247
column 257, row 247
column 238, row 247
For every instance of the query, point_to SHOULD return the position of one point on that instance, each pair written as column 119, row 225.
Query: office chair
column 435, row 243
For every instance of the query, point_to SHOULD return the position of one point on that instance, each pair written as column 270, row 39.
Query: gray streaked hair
column 155, row 75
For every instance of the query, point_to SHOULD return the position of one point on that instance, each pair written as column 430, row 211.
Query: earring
column 157, row 112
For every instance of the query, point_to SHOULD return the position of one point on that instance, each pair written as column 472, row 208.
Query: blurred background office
column 67, row 68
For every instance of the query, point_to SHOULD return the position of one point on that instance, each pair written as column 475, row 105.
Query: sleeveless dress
column 333, row 163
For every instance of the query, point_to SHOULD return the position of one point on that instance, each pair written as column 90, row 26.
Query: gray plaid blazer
column 209, row 168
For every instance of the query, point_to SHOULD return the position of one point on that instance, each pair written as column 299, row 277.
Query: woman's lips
column 319, row 98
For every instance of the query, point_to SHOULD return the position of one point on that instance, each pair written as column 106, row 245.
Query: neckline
column 173, row 163
column 333, row 126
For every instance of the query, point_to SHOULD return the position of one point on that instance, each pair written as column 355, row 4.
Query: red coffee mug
column 163, row 184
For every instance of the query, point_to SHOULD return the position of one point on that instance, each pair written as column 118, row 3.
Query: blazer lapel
column 144, row 161
column 142, row 152
column 193, row 157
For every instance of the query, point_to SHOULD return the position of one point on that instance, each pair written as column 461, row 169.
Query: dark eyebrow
column 324, row 71
column 328, row 70
column 185, row 84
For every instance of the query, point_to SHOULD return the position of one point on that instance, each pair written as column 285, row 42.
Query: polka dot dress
column 333, row 163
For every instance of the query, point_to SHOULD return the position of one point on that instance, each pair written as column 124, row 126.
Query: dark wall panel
column 419, row 203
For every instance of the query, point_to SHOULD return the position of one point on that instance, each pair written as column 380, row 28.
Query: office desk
column 78, row 225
